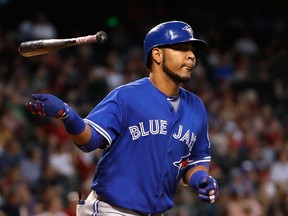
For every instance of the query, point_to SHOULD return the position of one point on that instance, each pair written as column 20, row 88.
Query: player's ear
column 157, row 55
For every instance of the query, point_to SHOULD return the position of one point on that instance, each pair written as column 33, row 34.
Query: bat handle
column 86, row 39
column 100, row 38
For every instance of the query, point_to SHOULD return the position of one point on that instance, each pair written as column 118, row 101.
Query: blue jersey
column 151, row 145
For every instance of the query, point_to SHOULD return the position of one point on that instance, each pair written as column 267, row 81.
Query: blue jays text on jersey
column 150, row 145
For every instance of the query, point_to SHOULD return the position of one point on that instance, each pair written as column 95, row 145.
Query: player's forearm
column 82, row 138
column 75, row 126
column 87, row 139
column 192, row 171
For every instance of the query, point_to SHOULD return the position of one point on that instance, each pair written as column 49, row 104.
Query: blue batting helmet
column 168, row 33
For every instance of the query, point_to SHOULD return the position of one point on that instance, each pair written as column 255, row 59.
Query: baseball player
column 153, row 133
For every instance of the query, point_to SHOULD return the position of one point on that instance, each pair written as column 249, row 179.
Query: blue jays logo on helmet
column 169, row 33
column 189, row 30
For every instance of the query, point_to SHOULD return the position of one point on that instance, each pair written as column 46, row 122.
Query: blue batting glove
column 208, row 189
column 48, row 105
column 53, row 107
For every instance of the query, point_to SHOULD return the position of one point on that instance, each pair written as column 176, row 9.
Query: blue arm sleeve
column 73, row 123
column 196, row 177
column 96, row 141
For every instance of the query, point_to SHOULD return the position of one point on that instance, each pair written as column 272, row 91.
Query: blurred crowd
column 242, row 80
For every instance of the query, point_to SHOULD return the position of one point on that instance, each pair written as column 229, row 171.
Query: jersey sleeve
column 107, row 117
column 200, row 153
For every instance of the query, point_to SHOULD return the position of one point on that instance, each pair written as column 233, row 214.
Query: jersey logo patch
column 182, row 163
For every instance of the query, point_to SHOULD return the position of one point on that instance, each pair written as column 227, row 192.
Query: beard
column 174, row 76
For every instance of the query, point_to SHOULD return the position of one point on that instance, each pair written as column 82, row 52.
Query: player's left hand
column 208, row 189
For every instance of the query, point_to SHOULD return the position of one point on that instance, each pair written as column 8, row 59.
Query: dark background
column 246, row 96
column 88, row 16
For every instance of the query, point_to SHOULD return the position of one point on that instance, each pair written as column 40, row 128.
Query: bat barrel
column 39, row 47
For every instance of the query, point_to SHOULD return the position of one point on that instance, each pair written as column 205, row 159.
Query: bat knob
column 101, row 37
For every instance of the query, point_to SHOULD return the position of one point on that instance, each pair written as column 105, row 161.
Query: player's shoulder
column 131, row 91
column 192, row 97
column 134, row 85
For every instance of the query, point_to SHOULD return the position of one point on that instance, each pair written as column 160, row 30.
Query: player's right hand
column 48, row 105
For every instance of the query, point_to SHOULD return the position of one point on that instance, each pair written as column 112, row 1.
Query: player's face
column 179, row 61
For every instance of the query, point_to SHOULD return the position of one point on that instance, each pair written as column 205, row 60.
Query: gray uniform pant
column 94, row 207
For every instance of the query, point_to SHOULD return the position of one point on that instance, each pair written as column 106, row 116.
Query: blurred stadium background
column 242, row 79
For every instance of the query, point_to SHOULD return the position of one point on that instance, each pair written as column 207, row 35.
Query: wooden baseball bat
column 40, row 47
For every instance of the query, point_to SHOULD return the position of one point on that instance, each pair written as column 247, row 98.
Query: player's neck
column 164, row 84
